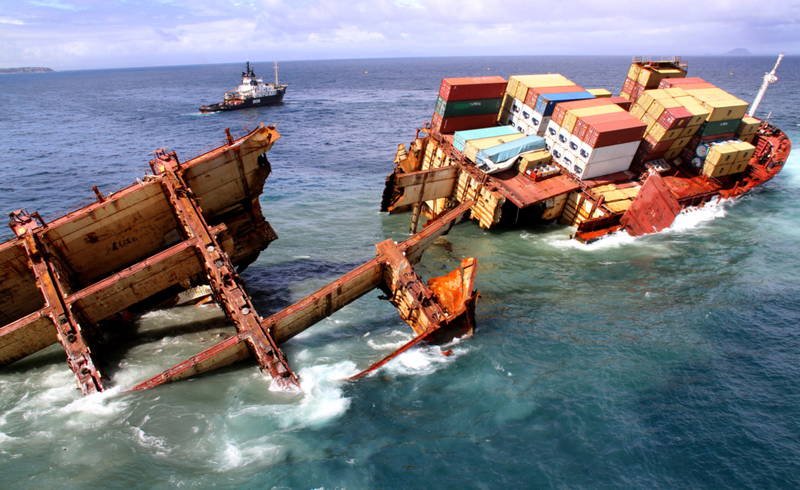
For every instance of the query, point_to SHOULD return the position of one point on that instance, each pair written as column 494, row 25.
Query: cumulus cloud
column 95, row 33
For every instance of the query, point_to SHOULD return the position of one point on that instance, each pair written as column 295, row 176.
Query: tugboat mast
column 768, row 78
column 276, row 74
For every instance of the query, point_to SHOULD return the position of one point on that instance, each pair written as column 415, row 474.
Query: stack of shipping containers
column 467, row 103
column 595, row 137
column 645, row 75
column 530, row 100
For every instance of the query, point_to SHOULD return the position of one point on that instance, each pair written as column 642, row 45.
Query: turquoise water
column 666, row 361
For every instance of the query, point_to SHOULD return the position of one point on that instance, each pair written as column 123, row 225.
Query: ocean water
column 667, row 361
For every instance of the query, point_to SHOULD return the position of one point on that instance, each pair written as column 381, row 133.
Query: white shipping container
column 606, row 167
column 552, row 129
column 527, row 112
column 539, row 122
column 549, row 143
column 564, row 136
column 516, row 106
column 569, row 159
column 592, row 155
column 558, row 153
column 574, row 144
column 538, row 119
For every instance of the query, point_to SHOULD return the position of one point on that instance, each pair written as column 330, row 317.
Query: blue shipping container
column 460, row 138
column 501, row 153
column 547, row 102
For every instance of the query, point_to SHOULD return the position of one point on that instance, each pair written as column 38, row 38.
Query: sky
column 86, row 34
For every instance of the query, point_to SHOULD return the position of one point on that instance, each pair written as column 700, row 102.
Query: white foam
column 323, row 398
column 421, row 361
column 159, row 444
column 692, row 218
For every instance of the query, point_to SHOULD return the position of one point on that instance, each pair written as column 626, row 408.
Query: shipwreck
column 197, row 224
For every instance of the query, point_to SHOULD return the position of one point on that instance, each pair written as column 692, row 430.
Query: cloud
column 104, row 33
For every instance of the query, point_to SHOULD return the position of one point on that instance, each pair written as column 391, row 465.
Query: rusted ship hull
column 186, row 225
column 431, row 176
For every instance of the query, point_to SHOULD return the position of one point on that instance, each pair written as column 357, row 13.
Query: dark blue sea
column 670, row 361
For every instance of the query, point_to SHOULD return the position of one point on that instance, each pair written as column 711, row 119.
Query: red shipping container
column 534, row 93
column 679, row 82
column 628, row 86
column 638, row 90
column 615, row 132
column 621, row 101
column 688, row 153
column 652, row 145
column 452, row 124
column 643, row 156
column 674, row 118
column 562, row 107
column 585, row 122
column 472, row 88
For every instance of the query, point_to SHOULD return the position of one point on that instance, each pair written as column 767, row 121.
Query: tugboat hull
column 236, row 104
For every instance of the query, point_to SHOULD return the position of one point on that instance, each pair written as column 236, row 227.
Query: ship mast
column 768, row 78
column 276, row 73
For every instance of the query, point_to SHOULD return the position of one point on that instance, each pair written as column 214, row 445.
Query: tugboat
column 253, row 92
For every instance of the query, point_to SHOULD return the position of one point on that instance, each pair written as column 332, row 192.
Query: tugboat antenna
column 276, row 73
column 768, row 78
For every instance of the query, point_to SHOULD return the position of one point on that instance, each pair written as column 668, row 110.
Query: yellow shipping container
column 511, row 88
column 672, row 153
column 748, row 138
column 686, row 100
column 710, row 93
column 738, row 167
column 690, row 130
column 725, row 110
column 714, row 170
column 637, row 111
column 633, row 72
column 721, row 155
column 657, row 131
column 521, row 92
column 680, row 143
column 534, row 159
column 673, row 134
column 749, row 125
column 649, row 120
column 625, row 96
column 746, row 151
column 676, row 92
column 599, row 93
column 699, row 114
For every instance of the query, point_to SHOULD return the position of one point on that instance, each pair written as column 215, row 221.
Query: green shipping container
column 719, row 127
column 460, row 108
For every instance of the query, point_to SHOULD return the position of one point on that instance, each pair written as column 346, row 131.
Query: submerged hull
column 237, row 104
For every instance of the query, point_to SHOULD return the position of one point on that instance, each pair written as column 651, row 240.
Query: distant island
column 739, row 52
column 25, row 69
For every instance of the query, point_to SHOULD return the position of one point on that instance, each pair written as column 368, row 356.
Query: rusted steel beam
column 222, row 277
column 229, row 351
column 437, row 312
column 414, row 247
column 68, row 329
